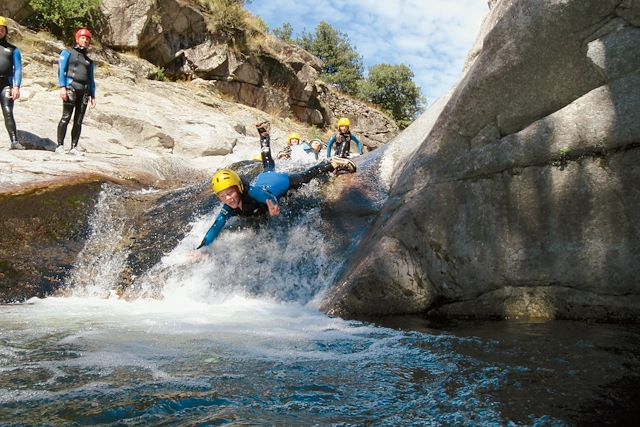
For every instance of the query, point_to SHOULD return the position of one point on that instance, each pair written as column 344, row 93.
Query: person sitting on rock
column 316, row 146
column 261, row 196
column 342, row 139
column 10, row 80
column 77, row 88
column 297, row 150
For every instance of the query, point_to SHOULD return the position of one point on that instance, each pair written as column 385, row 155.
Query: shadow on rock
column 34, row 142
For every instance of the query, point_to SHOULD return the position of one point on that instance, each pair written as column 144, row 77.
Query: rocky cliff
column 522, row 200
column 265, row 73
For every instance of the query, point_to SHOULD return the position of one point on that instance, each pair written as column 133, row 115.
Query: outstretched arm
column 216, row 228
column 358, row 143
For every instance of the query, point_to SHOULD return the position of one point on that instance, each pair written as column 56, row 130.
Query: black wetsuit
column 10, row 76
column 75, row 73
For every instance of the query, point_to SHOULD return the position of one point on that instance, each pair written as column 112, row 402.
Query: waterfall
column 102, row 259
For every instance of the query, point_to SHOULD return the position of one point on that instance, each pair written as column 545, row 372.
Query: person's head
column 316, row 145
column 83, row 37
column 4, row 27
column 227, row 185
column 343, row 125
column 294, row 138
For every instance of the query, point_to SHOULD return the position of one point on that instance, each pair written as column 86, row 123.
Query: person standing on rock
column 10, row 80
column 77, row 88
column 342, row 140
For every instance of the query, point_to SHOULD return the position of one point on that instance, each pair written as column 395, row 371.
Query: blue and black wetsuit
column 343, row 144
column 75, row 73
column 268, row 185
column 10, row 77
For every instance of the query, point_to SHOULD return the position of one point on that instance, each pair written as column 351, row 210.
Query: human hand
column 63, row 93
column 274, row 208
column 92, row 103
column 15, row 93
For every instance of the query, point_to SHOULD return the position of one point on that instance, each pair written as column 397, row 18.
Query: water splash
column 100, row 262
column 288, row 258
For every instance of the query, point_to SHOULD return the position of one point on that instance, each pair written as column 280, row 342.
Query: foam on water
column 233, row 338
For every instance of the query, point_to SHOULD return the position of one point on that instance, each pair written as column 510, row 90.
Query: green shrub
column 64, row 17
column 159, row 74
column 227, row 17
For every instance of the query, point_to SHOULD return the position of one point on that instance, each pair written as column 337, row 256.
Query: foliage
column 159, row 74
column 342, row 64
column 227, row 17
column 64, row 17
column 284, row 32
column 391, row 87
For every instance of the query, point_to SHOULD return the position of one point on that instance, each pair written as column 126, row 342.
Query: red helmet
column 83, row 32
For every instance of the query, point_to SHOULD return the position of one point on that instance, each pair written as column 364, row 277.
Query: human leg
column 67, row 110
column 297, row 179
column 7, row 111
column 81, row 103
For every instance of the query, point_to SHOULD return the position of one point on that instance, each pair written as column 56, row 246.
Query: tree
column 391, row 88
column 63, row 17
column 284, row 32
column 342, row 64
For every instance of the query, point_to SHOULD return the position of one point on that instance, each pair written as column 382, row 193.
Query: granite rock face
column 522, row 199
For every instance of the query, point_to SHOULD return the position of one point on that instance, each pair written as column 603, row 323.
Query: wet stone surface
column 40, row 235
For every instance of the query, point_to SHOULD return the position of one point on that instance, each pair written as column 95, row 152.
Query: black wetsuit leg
column 297, row 179
column 77, row 99
column 7, row 110
column 82, row 100
column 265, row 152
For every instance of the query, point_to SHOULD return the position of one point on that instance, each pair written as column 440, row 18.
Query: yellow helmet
column 224, row 179
column 344, row 122
column 293, row 135
column 3, row 22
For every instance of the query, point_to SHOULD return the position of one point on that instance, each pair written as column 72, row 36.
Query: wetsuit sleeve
column 63, row 64
column 358, row 143
column 17, row 68
column 217, row 227
column 329, row 145
column 92, row 82
column 262, row 195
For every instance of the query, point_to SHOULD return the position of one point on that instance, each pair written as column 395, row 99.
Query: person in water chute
column 261, row 196
column 342, row 140
column 77, row 88
column 300, row 151
column 10, row 80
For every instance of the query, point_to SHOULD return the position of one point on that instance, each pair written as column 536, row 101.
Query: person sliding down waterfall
column 261, row 196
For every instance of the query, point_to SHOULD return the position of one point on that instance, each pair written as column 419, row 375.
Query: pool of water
column 77, row 361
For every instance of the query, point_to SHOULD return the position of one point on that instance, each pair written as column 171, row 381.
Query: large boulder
column 15, row 9
column 275, row 76
column 523, row 198
column 125, row 22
